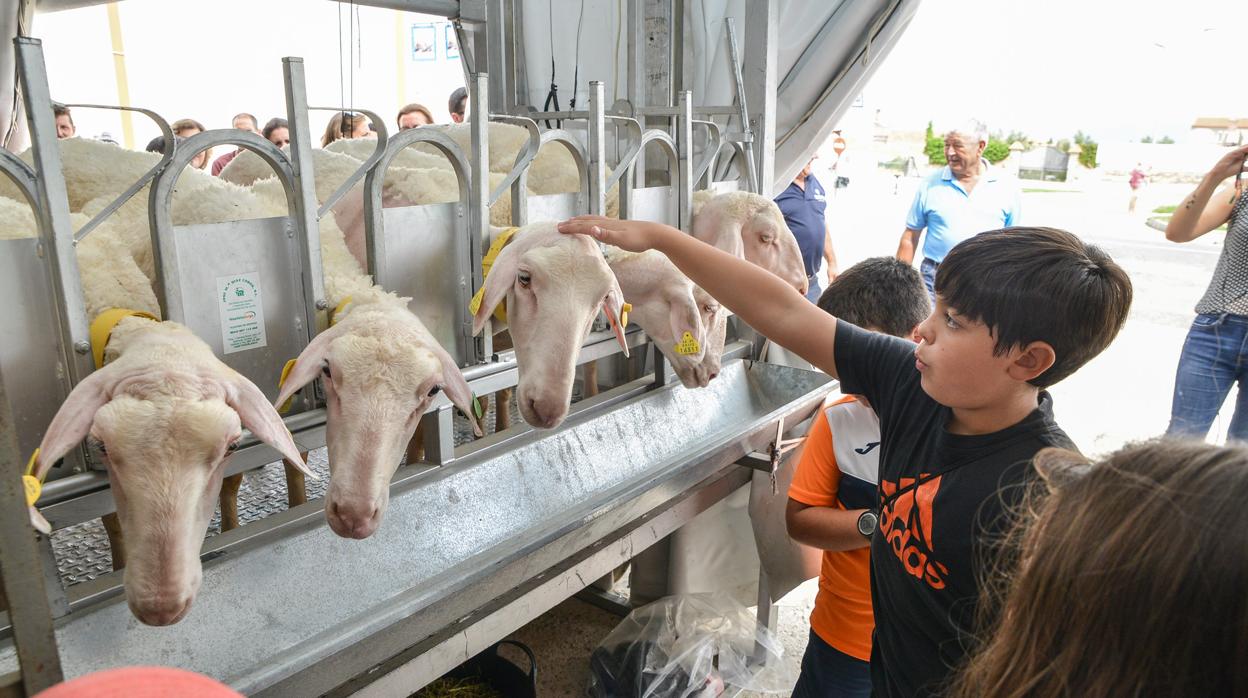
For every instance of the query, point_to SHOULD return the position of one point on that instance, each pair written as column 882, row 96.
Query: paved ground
column 1121, row 396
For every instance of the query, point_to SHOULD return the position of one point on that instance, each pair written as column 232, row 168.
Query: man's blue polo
column 804, row 211
column 951, row 215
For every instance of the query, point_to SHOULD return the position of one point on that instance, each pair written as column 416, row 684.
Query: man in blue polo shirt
column 963, row 199
column 803, row 205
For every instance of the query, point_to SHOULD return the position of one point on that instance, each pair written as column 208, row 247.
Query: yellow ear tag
column 34, row 488
column 30, row 464
column 624, row 311
column 475, row 304
column 687, row 345
column 282, row 381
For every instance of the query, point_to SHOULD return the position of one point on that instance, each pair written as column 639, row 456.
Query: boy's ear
column 1031, row 361
column 915, row 336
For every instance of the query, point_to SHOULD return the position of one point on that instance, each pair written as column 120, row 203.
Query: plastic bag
column 688, row 646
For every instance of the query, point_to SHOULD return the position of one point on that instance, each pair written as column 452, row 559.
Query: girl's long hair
column 1128, row 578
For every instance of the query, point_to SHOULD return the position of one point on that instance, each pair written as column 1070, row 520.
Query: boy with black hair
column 961, row 414
column 833, row 492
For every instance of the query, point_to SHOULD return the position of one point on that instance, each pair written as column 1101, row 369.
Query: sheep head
column 380, row 369
column 751, row 226
column 166, row 414
column 667, row 306
column 554, row 286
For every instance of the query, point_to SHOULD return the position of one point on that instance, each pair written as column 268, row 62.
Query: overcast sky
column 1118, row 69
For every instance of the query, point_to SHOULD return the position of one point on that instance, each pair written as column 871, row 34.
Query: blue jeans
column 1214, row 357
column 814, row 291
column 928, row 271
column 829, row 673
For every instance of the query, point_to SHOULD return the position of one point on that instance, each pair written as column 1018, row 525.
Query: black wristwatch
column 867, row 522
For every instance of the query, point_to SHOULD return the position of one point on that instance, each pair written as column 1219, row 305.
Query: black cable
column 552, row 97
column 576, row 73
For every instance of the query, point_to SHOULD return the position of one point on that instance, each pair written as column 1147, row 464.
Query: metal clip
column 778, row 449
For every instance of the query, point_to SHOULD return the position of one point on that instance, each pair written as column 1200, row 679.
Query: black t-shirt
column 942, row 499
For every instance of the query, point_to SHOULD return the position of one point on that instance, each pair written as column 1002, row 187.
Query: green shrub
column 996, row 151
column 934, row 147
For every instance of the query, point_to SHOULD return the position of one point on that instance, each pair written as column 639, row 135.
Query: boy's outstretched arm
column 765, row 302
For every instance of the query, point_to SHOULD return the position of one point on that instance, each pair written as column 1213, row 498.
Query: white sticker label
column 242, row 314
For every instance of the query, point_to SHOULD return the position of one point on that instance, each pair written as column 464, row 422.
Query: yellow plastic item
column 282, row 381
column 333, row 314
column 624, row 311
column 30, row 464
column 687, row 345
column 102, row 328
column 487, row 262
column 34, row 488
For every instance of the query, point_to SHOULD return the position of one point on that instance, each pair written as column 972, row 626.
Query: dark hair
column 59, row 109
column 254, row 123
column 185, row 124
column 881, row 293
column 413, row 107
column 1038, row 284
column 1127, row 579
column 274, row 124
column 455, row 104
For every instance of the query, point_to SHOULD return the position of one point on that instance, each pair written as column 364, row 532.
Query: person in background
column 277, row 132
column 65, row 127
column 1126, row 578
column 242, row 122
column 413, row 115
column 185, row 128
column 457, row 105
column 833, row 491
column 1215, row 353
column 346, row 124
column 804, row 205
column 1136, row 181
column 962, row 199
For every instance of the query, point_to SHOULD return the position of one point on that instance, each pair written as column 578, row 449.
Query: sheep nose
column 543, row 414
column 162, row 610
column 353, row 520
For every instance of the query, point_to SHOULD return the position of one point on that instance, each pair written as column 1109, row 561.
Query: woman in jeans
column 1215, row 354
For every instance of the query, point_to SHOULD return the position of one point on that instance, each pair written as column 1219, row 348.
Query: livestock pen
column 480, row 535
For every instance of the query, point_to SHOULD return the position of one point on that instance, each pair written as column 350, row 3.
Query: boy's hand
column 634, row 236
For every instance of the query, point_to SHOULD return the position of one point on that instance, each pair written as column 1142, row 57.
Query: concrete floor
column 1121, row 396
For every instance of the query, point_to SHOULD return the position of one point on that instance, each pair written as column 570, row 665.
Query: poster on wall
column 424, row 42
column 451, row 43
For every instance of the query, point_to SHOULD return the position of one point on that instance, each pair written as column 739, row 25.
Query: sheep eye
column 96, row 443
column 435, row 390
column 232, row 446
column 524, row 278
column 325, row 369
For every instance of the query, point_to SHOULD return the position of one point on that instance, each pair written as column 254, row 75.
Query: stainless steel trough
column 468, row 552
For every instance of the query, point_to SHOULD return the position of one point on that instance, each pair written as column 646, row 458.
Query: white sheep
column 553, row 286
column 380, row 368
column 751, row 226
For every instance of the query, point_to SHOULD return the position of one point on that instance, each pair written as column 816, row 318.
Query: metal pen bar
column 523, row 158
column 24, row 592
column 166, row 134
column 473, row 277
column 684, row 150
column 597, row 150
column 441, row 8
column 382, row 138
column 304, row 213
column 52, row 212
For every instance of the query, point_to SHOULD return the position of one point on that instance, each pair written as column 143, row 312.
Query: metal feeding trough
column 466, row 551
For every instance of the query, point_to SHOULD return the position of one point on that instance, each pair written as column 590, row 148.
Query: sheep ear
column 700, row 198
column 686, row 318
column 497, row 283
column 262, row 419
column 456, row 387
column 73, row 420
column 613, row 306
column 308, row 365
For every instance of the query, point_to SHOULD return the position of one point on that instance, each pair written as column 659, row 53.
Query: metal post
column 305, row 183
column 439, row 435
column 53, row 210
column 30, row 614
column 684, row 148
column 761, row 45
column 479, row 208
column 636, row 77
column 597, row 149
